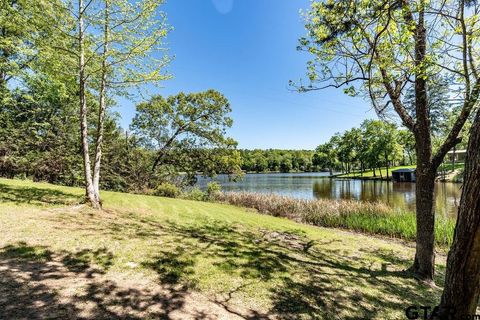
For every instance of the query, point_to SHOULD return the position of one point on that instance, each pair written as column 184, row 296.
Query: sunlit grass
column 382, row 172
column 250, row 262
column 448, row 166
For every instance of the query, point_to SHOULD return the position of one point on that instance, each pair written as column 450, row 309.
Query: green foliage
column 167, row 189
column 326, row 156
column 27, row 27
column 188, row 133
column 37, row 141
column 440, row 104
column 213, row 189
column 414, row 60
column 210, row 194
column 39, row 138
column 275, row 160
column 373, row 145
column 381, row 143
column 407, row 142
column 36, row 136
column 195, row 194
column 195, row 119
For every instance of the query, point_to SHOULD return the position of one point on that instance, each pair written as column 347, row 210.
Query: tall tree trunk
column 89, row 191
column 424, row 263
column 102, row 107
column 462, row 280
column 386, row 162
column 453, row 158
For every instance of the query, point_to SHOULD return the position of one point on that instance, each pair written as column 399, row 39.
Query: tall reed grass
column 367, row 217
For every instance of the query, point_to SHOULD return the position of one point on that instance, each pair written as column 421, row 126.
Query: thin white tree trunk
column 102, row 108
column 89, row 190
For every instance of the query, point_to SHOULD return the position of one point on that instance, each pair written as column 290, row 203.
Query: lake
column 318, row 185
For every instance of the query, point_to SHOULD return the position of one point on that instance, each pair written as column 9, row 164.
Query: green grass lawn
column 369, row 173
column 448, row 166
column 147, row 257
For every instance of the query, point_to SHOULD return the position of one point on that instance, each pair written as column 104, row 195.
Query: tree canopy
column 387, row 50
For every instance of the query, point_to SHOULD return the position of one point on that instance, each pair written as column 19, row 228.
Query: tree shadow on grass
column 80, row 261
column 240, row 252
column 315, row 281
column 303, row 278
column 37, row 283
column 38, row 196
column 173, row 267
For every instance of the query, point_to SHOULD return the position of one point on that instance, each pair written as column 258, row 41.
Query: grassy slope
column 448, row 166
column 242, row 260
column 369, row 173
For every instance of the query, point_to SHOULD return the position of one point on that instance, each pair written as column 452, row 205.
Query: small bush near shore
column 167, row 190
column 367, row 217
column 213, row 189
column 194, row 194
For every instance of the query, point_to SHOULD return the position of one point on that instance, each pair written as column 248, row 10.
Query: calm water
column 317, row 185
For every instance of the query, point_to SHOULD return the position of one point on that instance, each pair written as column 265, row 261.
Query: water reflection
column 317, row 185
column 398, row 195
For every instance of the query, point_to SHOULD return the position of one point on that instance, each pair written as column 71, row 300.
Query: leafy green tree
column 132, row 39
column 115, row 45
column 407, row 141
column 187, row 131
column 274, row 161
column 248, row 163
column 36, row 139
column 348, row 146
column 286, row 164
column 25, row 28
column 381, row 49
column 388, row 143
column 373, row 152
column 326, row 157
column 441, row 103
column 260, row 162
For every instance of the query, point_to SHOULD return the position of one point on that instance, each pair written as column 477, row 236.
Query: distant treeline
column 276, row 160
column 373, row 145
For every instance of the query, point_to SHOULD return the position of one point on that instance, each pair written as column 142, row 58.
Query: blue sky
column 246, row 49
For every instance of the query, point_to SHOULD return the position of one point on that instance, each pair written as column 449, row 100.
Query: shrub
column 167, row 189
column 213, row 189
column 195, row 194
column 21, row 176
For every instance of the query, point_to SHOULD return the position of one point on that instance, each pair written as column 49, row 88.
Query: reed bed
column 367, row 217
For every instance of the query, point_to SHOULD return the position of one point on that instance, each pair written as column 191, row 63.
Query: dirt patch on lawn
column 36, row 283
